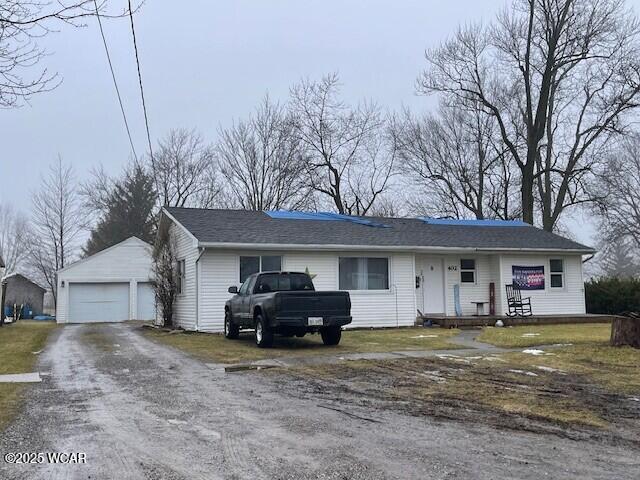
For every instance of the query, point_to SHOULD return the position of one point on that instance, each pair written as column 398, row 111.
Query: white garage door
column 146, row 302
column 98, row 302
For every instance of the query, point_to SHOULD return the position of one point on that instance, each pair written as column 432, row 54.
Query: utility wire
column 115, row 82
column 144, row 104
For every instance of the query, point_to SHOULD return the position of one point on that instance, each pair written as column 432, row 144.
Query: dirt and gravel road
column 140, row 410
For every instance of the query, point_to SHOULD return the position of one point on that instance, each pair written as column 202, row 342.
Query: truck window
column 283, row 283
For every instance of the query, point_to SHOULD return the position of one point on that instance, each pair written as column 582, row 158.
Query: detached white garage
column 111, row 286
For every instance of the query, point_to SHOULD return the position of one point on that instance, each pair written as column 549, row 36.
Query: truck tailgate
column 320, row 304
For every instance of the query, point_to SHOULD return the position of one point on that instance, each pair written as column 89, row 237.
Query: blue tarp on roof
column 323, row 216
column 476, row 223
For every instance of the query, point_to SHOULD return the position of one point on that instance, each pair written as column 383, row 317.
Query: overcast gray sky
column 207, row 62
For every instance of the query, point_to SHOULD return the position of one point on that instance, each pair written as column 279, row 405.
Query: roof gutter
column 394, row 248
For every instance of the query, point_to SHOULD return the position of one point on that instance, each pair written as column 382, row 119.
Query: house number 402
column 452, row 268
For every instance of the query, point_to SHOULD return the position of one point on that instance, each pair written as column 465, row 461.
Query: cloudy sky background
column 207, row 63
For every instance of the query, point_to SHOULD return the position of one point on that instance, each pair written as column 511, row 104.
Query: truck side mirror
column 233, row 290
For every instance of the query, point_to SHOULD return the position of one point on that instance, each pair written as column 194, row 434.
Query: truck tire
column 231, row 331
column 264, row 336
column 331, row 335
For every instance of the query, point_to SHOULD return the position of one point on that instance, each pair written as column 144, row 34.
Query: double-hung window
column 556, row 269
column 467, row 270
column 363, row 273
column 180, row 277
column 259, row 263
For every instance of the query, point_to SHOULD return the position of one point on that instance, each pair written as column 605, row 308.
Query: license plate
column 313, row 321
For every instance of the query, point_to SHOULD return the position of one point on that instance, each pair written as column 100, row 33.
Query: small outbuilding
column 22, row 291
column 112, row 285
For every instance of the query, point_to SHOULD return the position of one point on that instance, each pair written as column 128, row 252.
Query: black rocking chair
column 517, row 305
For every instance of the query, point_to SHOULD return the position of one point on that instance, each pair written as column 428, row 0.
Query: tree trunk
column 626, row 330
column 526, row 194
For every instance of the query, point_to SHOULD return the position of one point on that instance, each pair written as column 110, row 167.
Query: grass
column 18, row 342
column 216, row 348
column 579, row 385
column 614, row 368
column 482, row 392
column 528, row 336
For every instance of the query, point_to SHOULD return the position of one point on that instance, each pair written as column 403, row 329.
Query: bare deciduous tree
column 96, row 192
column 14, row 238
column 349, row 159
column 184, row 170
column 558, row 77
column 164, row 274
column 262, row 161
column 458, row 163
column 22, row 24
column 618, row 184
column 57, row 221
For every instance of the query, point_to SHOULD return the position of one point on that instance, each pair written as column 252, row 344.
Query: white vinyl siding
column 184, row 309
column 566, row 300
column 477, row 291
column 220, row 269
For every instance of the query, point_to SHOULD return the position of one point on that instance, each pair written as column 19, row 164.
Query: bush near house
column 612, row 295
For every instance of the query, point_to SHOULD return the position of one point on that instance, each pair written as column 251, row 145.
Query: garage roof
column 213, row 227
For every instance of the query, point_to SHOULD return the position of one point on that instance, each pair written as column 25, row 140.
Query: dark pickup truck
column 285, row 303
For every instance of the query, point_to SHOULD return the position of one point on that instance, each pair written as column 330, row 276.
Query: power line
column 115, row 82
column 144, row 105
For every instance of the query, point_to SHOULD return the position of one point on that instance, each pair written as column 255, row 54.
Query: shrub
column 612, row 295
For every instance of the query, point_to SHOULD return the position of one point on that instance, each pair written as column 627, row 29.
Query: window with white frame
column 556, row 271
column 363, row 273
column 467, row 270
column 180, row 276
column 259, row 263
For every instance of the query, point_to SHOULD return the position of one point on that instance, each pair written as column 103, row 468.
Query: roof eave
column 398, row 248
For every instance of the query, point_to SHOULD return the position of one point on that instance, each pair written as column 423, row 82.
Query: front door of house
column 433, row 285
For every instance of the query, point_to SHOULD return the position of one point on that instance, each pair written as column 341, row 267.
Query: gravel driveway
column 142, row 410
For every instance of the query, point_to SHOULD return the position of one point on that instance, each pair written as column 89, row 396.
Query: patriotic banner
column 528, row 278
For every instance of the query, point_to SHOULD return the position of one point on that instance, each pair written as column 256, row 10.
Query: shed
column 112, row 285
column 24, row 291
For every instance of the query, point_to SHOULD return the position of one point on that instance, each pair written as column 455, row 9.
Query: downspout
column 201, row 250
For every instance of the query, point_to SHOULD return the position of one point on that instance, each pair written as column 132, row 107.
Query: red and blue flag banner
column 528, row 278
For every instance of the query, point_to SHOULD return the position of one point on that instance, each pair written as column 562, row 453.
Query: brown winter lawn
column 216, row 348
column 584, row 389
column 17, row 346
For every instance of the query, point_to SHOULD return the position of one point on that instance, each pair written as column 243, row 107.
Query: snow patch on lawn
column 524, row 372
column 549, row 369
column 535, row 351
column 494, row 359
column 526, row 335
column 425, row 336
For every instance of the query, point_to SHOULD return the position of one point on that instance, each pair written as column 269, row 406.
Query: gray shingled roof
column 251, row 227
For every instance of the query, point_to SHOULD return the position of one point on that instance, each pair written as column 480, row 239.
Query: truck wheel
column 331, row 335
column 231, row 331
column 264, row 337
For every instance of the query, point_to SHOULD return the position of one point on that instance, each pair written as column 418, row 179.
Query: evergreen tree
column 618, row 259
column 129, row 212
